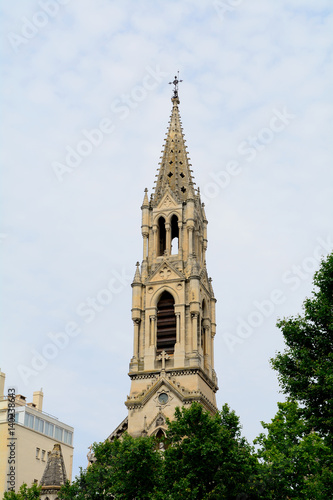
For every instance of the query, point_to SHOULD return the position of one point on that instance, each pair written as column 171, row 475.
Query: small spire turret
column 137, row 276
column 145, row 203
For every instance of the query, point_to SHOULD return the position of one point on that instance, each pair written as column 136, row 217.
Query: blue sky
column 256, row 109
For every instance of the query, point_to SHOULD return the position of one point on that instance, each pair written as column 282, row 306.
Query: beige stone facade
column 173, row 304
column 27, row 437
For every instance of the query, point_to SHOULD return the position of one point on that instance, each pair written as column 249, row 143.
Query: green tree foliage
column 297, row 464
column 205, row 458
column 297, row 452
column 306, row 367
column 24, row 493
column 124, row 469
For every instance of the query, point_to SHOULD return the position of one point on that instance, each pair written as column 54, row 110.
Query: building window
column 43, row 455
column 44, row 427
column 37, row 453
column 49, row 429
column 68, row 437
column 166, row 323
column 58, row 433
column 174, row 235
column 29, row 420
column 161, row 236
column 39, row 424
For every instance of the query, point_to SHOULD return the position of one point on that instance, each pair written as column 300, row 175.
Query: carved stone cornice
column 176, row 372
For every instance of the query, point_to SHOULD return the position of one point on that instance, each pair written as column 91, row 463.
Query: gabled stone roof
column 55, row 472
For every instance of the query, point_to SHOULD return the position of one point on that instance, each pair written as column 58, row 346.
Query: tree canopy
column 25, row 493
column 297, row 464
column 297, row 452
column 128, row 468
column 305, row 368
column 205, row 458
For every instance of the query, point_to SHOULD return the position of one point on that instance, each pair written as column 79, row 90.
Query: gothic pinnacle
column 145, row 203
column 137, row 276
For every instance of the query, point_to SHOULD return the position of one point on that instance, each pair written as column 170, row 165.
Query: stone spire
column 54, row 475
column 173, row 304
column 174, row 171
column 137, row 277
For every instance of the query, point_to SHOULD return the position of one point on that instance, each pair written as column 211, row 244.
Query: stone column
column 207, row 341
column 145, row 246
column 204, row 249
column 168, row 238
column 190, row 241
column 136, row 338
column 194, row 331
column 155, row 252
column 211, row 338
column 153, row 330
column 201, row 249
column 177, row 327
column 180, row 239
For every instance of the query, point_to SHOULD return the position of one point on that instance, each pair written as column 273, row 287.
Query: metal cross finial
column 175, row 83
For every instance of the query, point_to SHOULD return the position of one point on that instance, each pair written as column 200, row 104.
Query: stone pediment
column 165, row 272
column 167, row 202
column 152, row 392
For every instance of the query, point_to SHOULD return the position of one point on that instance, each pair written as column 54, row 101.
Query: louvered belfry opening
column 166, row 323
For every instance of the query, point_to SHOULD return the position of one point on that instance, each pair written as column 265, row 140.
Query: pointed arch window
column 174, row 235
column 160, row 434
column 166, row 323
column 161, row 236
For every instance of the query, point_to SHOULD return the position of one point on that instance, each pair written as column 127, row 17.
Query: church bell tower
column 173, row 303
